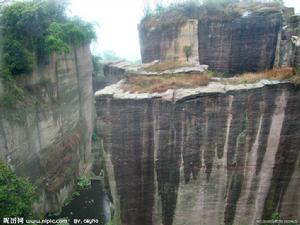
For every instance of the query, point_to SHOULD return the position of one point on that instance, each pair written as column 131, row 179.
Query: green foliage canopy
column 97, row 65
column 36, row 28
column 16, row 194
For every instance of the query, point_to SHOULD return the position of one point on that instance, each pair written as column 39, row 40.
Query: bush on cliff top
column 16, row 194
column 34, row 29
column 31, row 31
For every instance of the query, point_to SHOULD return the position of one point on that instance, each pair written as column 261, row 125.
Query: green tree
column 159, row 8
column 16, row 194
column 97, row 65
column 187, row 51
column 108, row 56
column 33, row 29
column 17, row 59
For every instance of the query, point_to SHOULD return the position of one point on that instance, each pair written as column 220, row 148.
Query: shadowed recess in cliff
column 204, row 131
column 133, row 165
column 214, row 120
column 191, row 136
column 168, row 160
column 236, row 174
column 253, row 118
column 234, row 164
column 286, row 157
column 267, row 109
column 221, row 121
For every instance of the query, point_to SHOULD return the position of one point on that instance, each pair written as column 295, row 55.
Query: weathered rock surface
column 50, row 141
column 214, row 156
column 252, row 41
column 167, row 43
column 114, row 72
column 288, row 46
column 247, row 43
column 1, row 87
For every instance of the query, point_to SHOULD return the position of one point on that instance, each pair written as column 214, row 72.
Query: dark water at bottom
column 91, row 206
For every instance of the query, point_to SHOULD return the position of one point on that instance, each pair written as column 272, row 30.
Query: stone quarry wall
column 49, row 141
column 247, row 43
column 253, row 41
column 1, row 87
column 212, row 158
column 167, row 43
column 288, row 44
column 113, row 73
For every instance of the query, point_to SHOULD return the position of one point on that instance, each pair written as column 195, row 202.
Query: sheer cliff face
column 214, row 158
column 255, row 41
column 167, row 43
column 288, row 45
column 244, row 44
column 50, row 141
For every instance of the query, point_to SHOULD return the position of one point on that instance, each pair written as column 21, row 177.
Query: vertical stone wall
column 251, row 42
column 48, row 139
column 288, row 46
column 1, row 87
column 167, row 43
column 247, row 43
column 212, row 158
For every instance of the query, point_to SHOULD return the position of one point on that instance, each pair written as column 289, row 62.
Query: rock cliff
column 226, row 155
column 166, row 43
column 242, row 44
column 234, row 42
column 49, row 141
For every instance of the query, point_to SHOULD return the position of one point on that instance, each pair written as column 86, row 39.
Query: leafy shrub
column 17, row 60
column 12, row 95
column 187, row 51
column 16, row 194
column 277, row 220
column 38, row 28
column 111, row 222
column 82, row 183
column 97, row 65
column 31, row 31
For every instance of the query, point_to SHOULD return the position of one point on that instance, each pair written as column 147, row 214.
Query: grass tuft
column 163, row 66
column 161, row 83
column 285, row 73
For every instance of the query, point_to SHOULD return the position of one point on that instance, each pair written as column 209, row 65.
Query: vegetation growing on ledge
column 285, row 73
column 161, row 83
column 31, row 31
column 83, row 182
column 16, row 194
column 34, row 29
column 162, row 16
column 163, row 66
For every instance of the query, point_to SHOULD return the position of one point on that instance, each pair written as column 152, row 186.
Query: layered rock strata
column 48, row 140
column 213, row 155
column 247, row 41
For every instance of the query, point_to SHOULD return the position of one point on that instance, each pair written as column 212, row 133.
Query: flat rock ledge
column 115, row 91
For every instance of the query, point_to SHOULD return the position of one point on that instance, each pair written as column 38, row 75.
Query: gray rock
column 219, row 155
column 50, row 142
